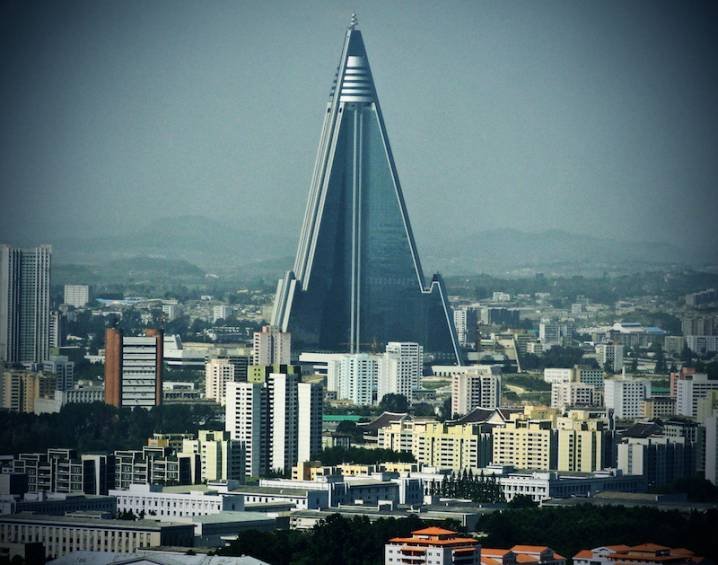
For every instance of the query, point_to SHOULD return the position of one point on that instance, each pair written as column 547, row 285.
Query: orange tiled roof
column 530, row 548
column 584, row 554
column 433, row 531
column 648, row 547
column 494, row 551
column 619, row 547
column 523, row 558
column 423, row 541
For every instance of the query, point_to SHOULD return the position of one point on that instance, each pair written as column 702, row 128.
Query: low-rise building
column 171, row 503
column 645, row 554
column 432, row 545
column 63, row 534
column 57, row 504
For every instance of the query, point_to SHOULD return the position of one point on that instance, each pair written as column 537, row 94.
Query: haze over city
column 472, row 318
column 593, row 119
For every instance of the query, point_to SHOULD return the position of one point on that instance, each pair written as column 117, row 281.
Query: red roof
column 584, row 554
column 433, row 531
column 530, row 548
column 648, row 547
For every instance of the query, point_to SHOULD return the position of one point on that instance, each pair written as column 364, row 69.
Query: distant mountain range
column 217, row 247
column 515, row 251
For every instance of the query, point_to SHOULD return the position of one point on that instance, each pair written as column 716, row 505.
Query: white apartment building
column 156, row 503
column 690, row 391
column 217, row 373
column 564, row 395
column 610, row 356
column 220, row 312
column 357, row 377
column 276, row 422
column 77, row 295
column 625, row 396
column 477, row 386
column 244, row 416
column 401, row 369
column 552, row 375
column 702, row 344
column 271, row 347
column 576, row 374
column 284, row 417
column 221, row 457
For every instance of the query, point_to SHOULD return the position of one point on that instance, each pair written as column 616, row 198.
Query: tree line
column 99, row 427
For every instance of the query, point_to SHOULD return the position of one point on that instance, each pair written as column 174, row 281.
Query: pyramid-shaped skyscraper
column 357, row 282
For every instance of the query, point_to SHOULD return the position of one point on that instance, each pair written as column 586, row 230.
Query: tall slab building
column 357, row 282
column 25, row 304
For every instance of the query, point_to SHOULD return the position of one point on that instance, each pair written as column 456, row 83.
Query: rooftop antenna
column 354, row 21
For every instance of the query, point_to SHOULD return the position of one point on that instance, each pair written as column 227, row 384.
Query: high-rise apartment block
column 218, row 372
column 221, row 457
column 220, row 312
column 705, row 324
column 20, row 389
column 357, row 281
column 580, row 443
column 553, row 333
column 271, row 346
column 573, row 394
column 466, row 320
column 610, row 356
column 133, row 368
column 525, row 444
column 57, row 330
column 276, row 422
column 625, row 396
column 77, row 295
column 690, row 391
column 25, row 304
column 475, row 386
column 401, row 371
column 63, row 369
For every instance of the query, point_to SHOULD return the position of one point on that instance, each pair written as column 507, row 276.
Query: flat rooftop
column 29, row 517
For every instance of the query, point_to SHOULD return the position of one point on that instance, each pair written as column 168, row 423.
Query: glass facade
column 358, row 281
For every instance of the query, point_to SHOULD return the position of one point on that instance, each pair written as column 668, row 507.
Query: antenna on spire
column 354, row 21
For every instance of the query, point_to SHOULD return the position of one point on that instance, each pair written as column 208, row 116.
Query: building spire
column 354, row 21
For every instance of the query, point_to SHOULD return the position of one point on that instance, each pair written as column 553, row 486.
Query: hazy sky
column 593, row 117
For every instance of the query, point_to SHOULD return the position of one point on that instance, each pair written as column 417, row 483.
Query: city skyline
column 593, row 120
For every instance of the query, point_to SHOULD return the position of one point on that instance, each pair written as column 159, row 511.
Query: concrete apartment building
column 271, row 346
column 475, row 386
column 690, row 390
column 624, row 396
column 525, row 444
column 77, row 295
column 275, row 422
column 133, row 368
column 25, row 304
column 218, row 372
column 221, row 458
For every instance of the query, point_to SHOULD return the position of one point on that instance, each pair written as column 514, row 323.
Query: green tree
column 396, row 403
